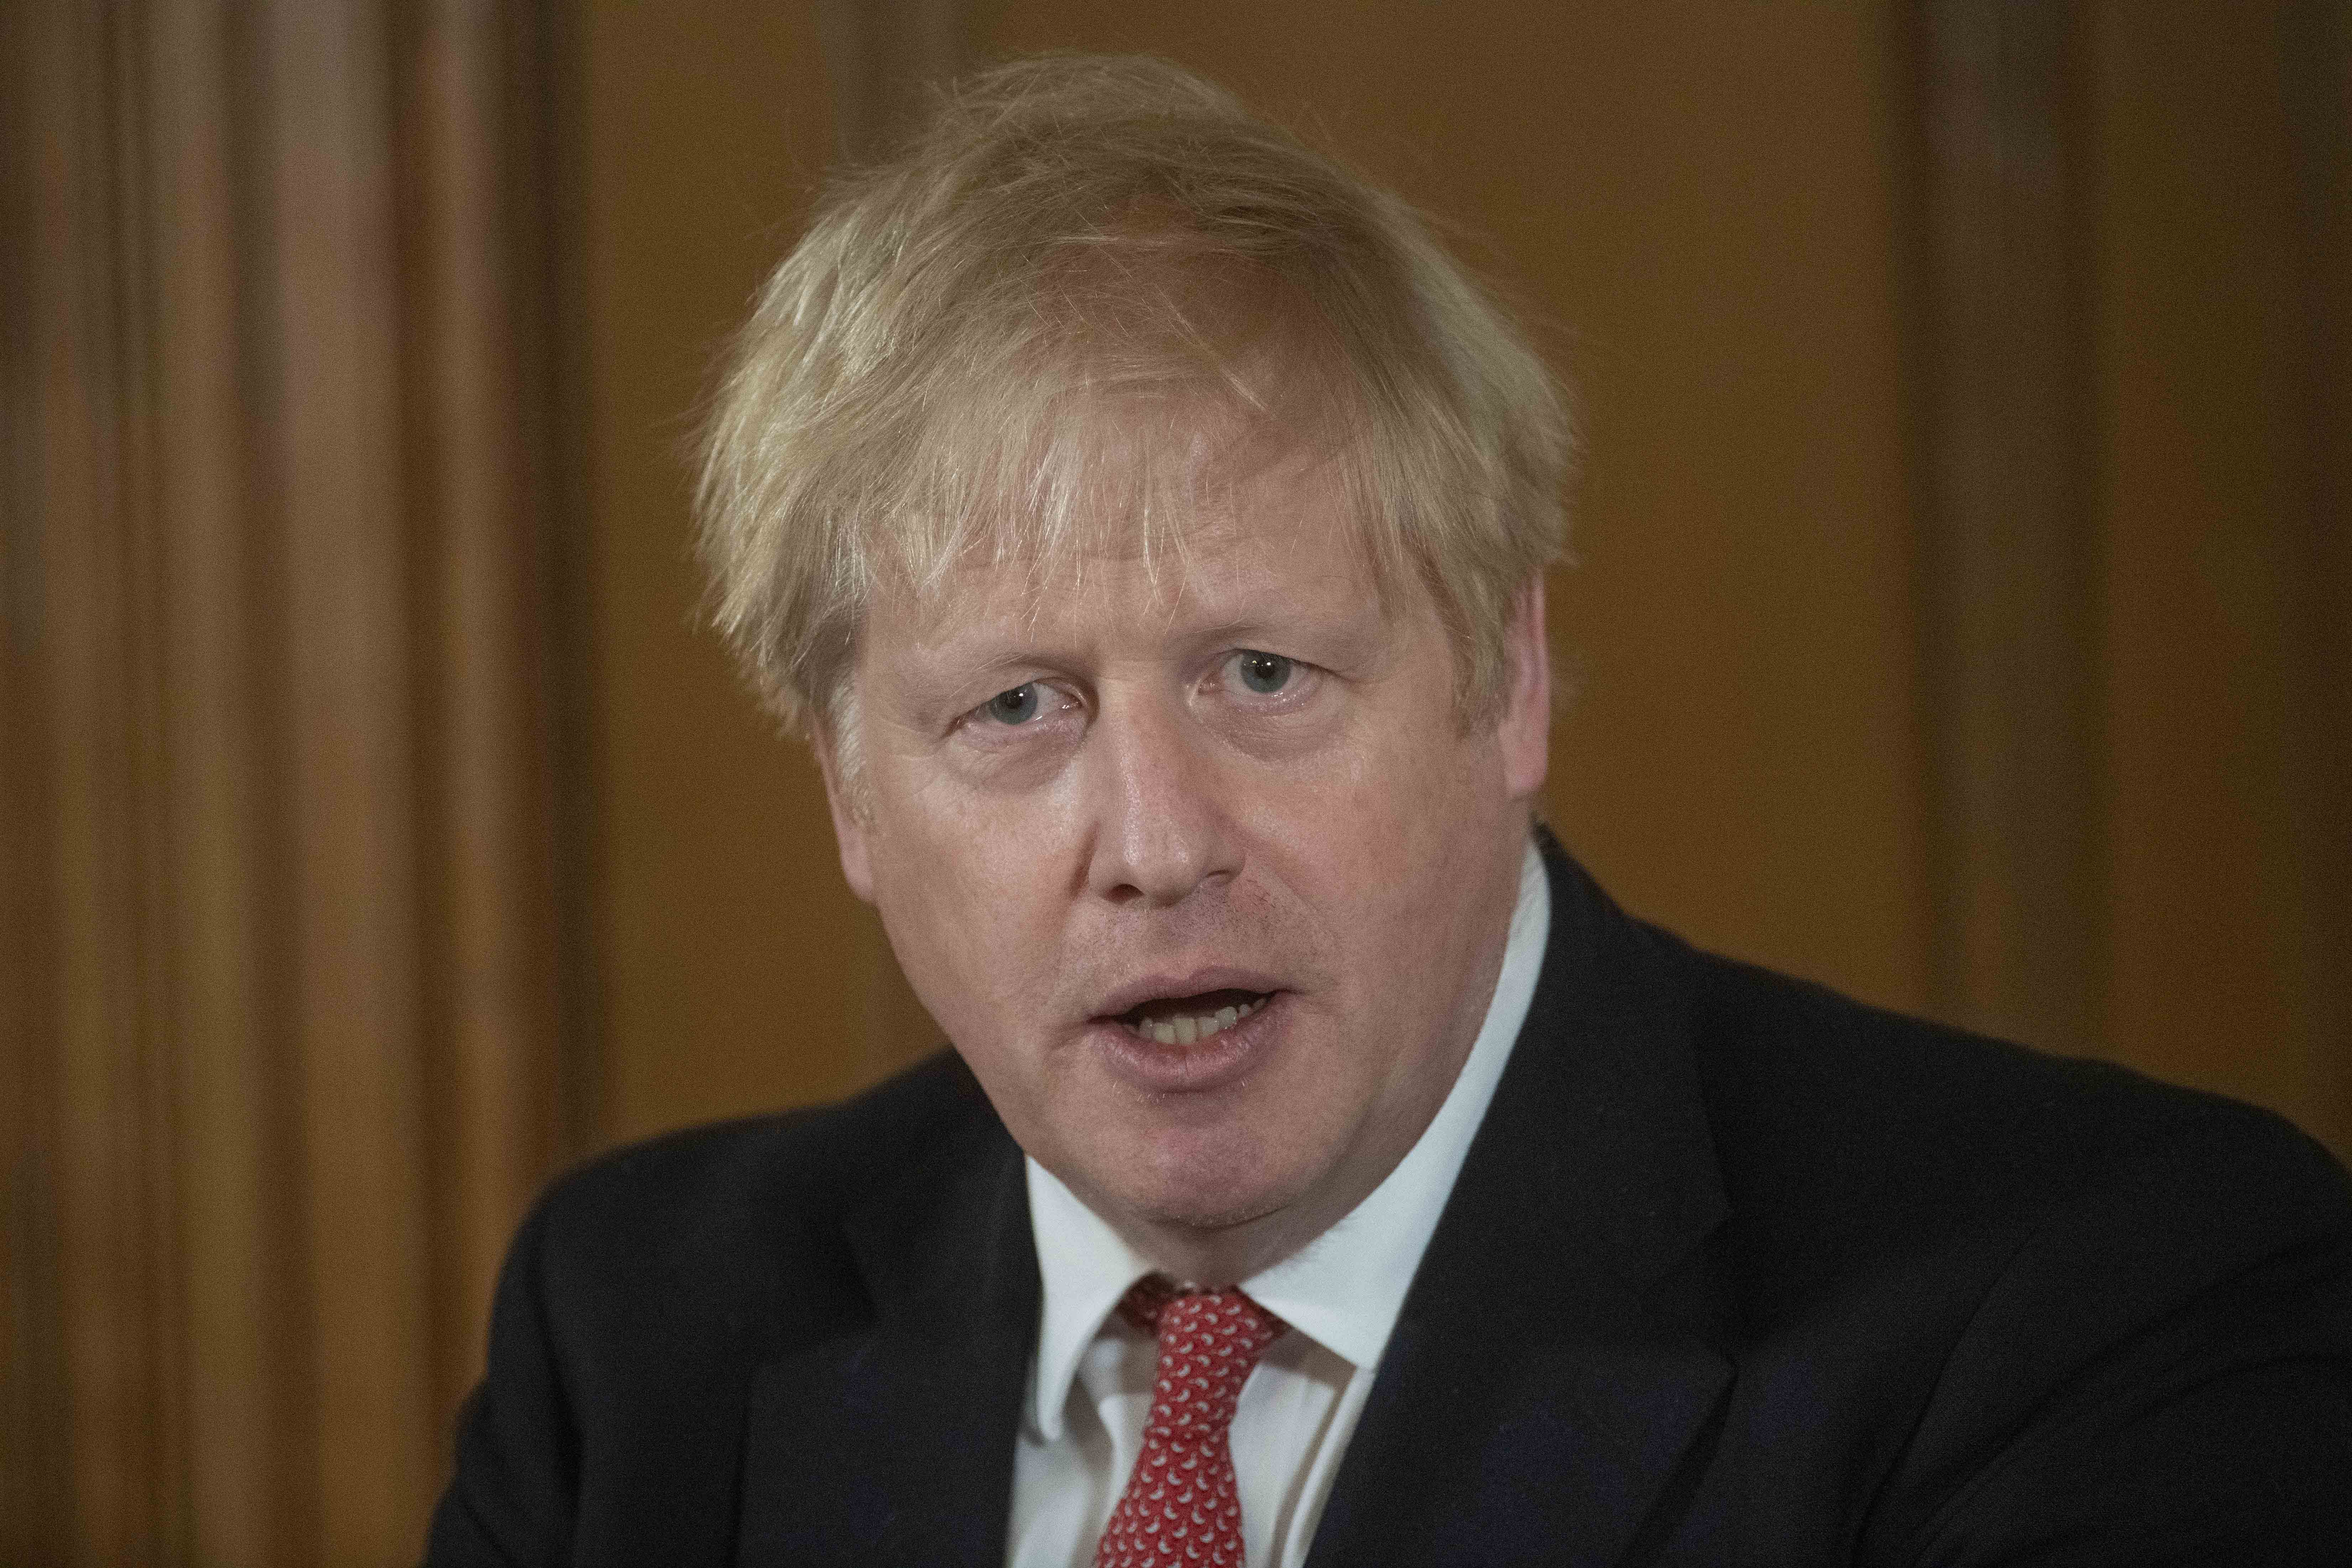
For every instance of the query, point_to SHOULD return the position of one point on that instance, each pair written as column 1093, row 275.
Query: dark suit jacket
column 1737, row 1272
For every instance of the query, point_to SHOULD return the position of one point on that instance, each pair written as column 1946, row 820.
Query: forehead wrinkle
column 1164, row 483
column 989, row 616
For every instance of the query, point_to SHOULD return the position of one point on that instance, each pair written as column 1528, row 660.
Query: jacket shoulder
column 825, row 1155
column 2048, row 1298
column 641, row 1293
column 1830, row 1103
column 725, row 1206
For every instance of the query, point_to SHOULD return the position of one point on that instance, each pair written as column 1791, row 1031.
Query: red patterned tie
column 1180, row 1510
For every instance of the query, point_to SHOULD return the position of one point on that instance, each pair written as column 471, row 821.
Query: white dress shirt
column 1090, row 1378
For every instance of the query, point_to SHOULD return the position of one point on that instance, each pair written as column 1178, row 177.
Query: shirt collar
column 1344, row 1288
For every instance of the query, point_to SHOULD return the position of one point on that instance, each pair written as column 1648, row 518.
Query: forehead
column 1276, row 536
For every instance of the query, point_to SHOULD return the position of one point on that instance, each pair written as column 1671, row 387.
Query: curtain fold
column 284, row 977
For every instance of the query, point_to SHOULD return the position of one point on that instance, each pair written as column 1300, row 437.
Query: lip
column 1224, row 1058
column 1191, row 983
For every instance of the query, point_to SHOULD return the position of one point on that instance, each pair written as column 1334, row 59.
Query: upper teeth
column 1188, row 1028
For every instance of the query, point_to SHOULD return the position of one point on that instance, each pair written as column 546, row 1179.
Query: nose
column 1161, row 825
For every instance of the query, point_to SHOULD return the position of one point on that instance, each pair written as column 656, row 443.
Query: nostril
column 1154, row 875
column 1159, row 828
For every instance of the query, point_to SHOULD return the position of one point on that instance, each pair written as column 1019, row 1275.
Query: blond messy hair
column 1060, row 319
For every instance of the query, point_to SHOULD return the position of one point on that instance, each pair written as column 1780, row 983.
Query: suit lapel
column 1555, row 1379
column 894, row 1443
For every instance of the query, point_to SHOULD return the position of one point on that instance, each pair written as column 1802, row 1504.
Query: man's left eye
column 1265, row 673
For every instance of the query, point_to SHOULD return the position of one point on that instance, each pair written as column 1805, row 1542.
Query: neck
column 1219, row 1256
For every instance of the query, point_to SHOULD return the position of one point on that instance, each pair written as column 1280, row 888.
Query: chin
column 1208, row 1190
column 1208, row 1216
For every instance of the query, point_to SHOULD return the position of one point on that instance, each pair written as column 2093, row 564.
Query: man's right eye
column 1017, row 706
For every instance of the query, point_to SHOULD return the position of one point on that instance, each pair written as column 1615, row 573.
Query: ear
column 849, row 827
column 1525, row 733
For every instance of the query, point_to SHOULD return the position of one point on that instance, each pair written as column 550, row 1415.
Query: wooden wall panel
column 2225, row 582
column 881, row 59
column 2009, row 638
column 736, row 971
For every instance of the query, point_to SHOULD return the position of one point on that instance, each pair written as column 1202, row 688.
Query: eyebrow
column 1344, row 633
column 927, row 684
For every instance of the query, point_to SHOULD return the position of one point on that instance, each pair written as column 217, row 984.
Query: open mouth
column 1188, row 1020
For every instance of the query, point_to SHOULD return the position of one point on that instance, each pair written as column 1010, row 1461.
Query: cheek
column 1410, row 845
column 1389, row 815
column 967, row 903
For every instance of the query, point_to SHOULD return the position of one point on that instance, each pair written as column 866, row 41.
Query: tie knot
column 1158, row 1306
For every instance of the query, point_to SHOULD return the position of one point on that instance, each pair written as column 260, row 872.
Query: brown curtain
column 281, row 988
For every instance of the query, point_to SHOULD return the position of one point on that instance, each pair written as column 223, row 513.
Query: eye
column 1265, row 673
column 1017, row 706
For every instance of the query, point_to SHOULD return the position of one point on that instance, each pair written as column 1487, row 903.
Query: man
column 1146, row 523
